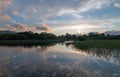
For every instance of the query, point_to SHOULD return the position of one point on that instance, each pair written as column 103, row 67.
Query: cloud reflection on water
column 58, row 61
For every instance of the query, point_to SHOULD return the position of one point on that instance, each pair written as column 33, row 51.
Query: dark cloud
column 17, row 27
column 113, row 32
column 23, row 27
column 43, row 27
column 32, row 12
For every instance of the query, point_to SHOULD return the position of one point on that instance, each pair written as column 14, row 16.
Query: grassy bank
column 28, row 42
column 109, row 44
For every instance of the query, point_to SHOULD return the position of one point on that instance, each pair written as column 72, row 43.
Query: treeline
column 96, row 35
column 91, row 35
column 49, row 36
column 27, row 36
column 38, row 36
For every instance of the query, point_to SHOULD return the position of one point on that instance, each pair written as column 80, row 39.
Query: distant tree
column 29, row 35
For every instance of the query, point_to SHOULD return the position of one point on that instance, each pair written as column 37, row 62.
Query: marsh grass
column 108, row 44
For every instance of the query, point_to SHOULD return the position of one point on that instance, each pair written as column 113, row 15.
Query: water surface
column 58, row 61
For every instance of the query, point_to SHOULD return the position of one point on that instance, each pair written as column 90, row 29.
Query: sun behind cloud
column 56, row 15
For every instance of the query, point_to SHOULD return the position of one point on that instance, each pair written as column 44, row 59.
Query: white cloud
column 85, row 26
column 42, row 8
column 77, row 15
column 99, row 22
column 95, row 4
column 117, row 5
column 80, row 6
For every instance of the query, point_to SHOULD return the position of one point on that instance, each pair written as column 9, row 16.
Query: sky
column 60, row 16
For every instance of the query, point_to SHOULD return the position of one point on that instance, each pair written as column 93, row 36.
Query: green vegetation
column 108, row 44
column 28, row 36
column 86, row 41
column 28, row 42
column 39, row 36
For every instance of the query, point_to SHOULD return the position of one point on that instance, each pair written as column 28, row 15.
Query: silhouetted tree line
column 28, row 36
column 49, row 36
column 68, row 36
column 91, row 35
column 96, row 35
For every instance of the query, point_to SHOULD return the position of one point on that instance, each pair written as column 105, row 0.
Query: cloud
column 34, row 10
column 41, row 11
column 113, row 32
column 85, row 26
column 4, row 17
column 15, row 12
column 4, row 4
column 42, row 8
column 17, row 27
column 43, row 27
column 93, row 4
column 44, row 19
column 37, row 9
column 22, row 27
column 1, row 29
column 95, row 22
column 117, row 5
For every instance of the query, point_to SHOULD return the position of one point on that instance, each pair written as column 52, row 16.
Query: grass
column 109, row 44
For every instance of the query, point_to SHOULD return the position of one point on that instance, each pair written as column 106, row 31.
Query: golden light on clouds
column 5, row 17
column 77, row 26
column 4, row 4
column 7, row 2
column 51, row 15
column 15, row 12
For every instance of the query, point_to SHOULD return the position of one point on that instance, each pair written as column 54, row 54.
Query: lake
column 59, row 60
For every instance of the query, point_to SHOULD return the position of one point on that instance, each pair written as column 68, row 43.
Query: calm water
column 58, row 61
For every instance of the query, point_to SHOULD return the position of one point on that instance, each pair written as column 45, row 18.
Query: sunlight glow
column 85, row 26
column 77, row 27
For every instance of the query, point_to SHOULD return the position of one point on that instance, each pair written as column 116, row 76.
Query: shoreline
column 28, row 42
column 108, row 44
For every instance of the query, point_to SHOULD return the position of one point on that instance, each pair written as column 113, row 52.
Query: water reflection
column 58, row 61
column 111, row 55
